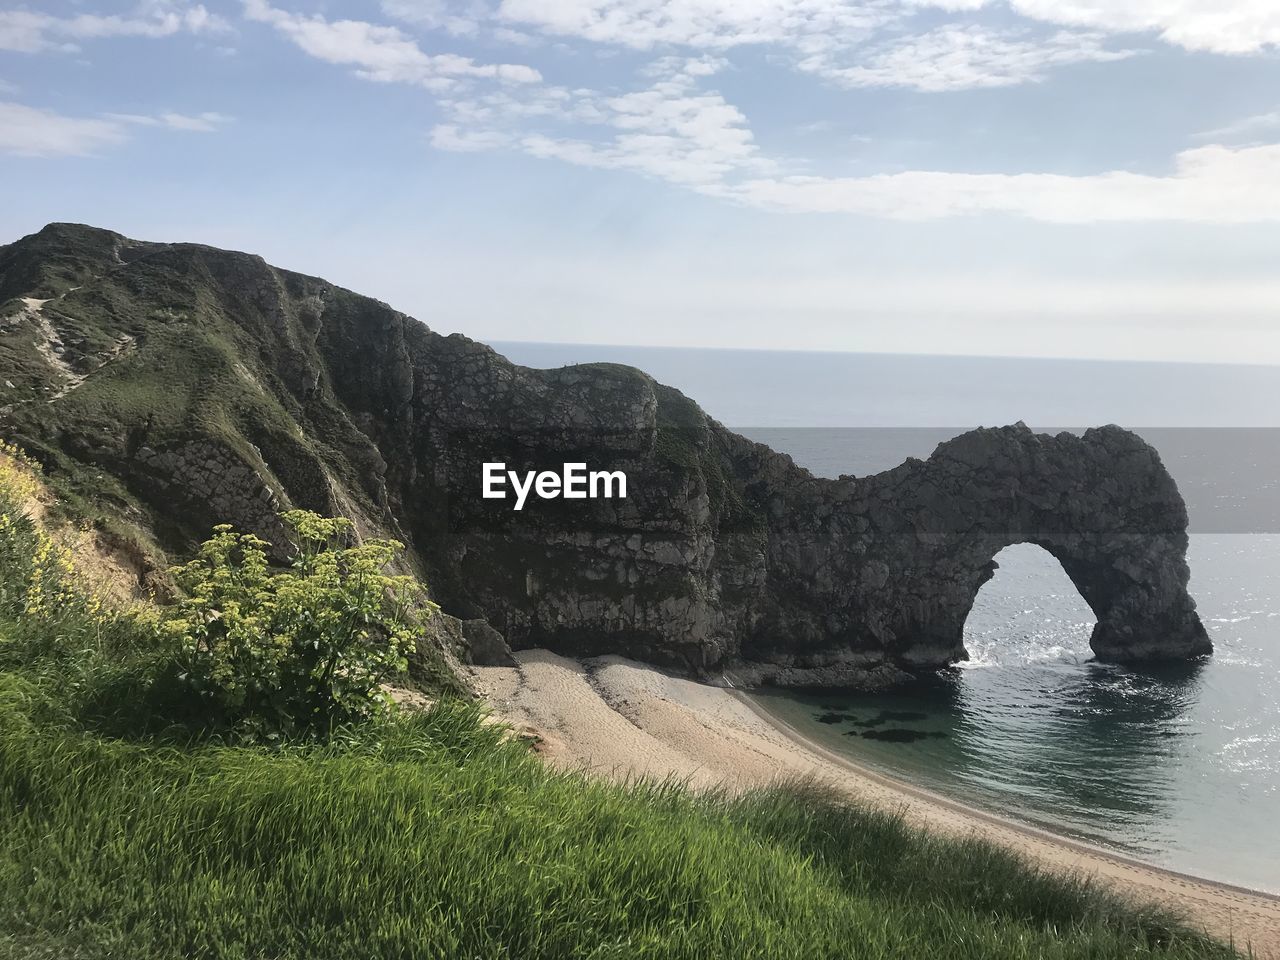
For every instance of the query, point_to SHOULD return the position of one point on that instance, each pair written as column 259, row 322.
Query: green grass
column 429, row 836
column 432, row 839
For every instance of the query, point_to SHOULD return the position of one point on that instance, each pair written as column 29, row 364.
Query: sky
column 1061, row 178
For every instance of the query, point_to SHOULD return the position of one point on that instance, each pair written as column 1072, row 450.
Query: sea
column 1176, row 765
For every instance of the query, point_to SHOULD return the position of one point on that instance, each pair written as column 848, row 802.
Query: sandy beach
column 615, row 717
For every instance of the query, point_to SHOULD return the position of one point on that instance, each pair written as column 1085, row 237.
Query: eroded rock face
column 251, row 389
column 899, row 557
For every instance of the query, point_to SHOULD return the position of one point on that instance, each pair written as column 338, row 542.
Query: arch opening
column 1029, row 611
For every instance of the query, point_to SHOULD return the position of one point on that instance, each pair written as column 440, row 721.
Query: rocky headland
column 177, row 386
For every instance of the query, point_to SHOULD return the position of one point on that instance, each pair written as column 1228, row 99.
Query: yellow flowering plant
column 39, row 576
column 19, row 476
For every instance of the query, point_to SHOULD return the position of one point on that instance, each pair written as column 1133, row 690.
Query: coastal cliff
column 181, row 385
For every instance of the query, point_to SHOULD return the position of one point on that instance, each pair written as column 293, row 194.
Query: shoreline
column 996, row 819
column 614, row 717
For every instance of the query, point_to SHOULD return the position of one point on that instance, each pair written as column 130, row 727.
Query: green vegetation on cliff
column 431, row 835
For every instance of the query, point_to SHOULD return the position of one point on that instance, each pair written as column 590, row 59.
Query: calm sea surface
column 1180, row 765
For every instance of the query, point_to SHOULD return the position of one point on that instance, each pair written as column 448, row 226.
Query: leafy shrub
column 266, row 652
column 293, row 651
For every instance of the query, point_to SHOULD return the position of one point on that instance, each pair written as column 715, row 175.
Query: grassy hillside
column 127, row 347
column 432, row 836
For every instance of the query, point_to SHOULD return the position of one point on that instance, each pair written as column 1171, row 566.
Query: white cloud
column 956, row 57
column 670, row 130
column 856, row 43
column 380, row 53
column 1220, row 26
column 201, row 123
column 447, row 136
column 696, row 142
column 25, row 31
column 685, row 67
column 30, row 132
column 708, row 24
column 852, row 43
column 517, row 38
column 952, row 6
column 513, row 108
column 1217, row 26
column 198, row 123
column 675, row 130
column 33, row 132
column 1246, row 129
column 1211, row 184
column 458, row 17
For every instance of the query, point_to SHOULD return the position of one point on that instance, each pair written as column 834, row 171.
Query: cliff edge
column 183, row 385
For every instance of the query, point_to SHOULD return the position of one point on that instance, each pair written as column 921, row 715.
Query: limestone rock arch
column 1102, row 504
